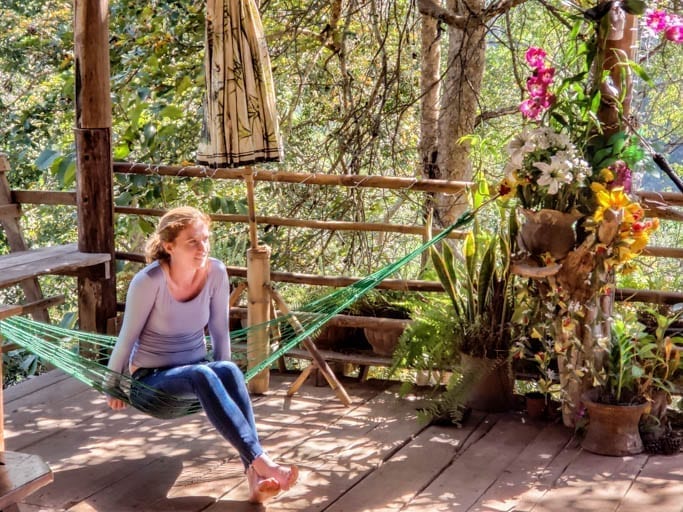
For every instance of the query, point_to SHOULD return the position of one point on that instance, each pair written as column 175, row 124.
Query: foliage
column 474, row 317
column 639, row 363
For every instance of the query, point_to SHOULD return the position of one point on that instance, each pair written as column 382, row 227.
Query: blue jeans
column 221, row 390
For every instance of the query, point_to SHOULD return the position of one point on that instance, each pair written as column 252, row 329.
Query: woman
column 162, row 343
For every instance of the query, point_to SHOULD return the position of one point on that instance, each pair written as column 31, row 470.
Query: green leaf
column 47, row 158
column 171, row 112
column 642, row 74
column 636, row 7
column 121, row 151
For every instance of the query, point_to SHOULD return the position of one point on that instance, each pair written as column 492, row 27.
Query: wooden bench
column 59, row 259
column 364, row 359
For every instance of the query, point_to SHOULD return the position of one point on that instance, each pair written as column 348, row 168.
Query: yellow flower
column 507, row 187
column 606, row 175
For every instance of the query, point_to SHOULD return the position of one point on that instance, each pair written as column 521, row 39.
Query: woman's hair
column 172, row 223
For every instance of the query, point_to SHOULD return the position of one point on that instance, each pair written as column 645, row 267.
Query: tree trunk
column 459, row 104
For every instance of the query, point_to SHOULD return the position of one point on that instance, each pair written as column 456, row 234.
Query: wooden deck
column 373, row 456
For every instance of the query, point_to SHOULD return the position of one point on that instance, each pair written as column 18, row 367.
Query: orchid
column 544, row 170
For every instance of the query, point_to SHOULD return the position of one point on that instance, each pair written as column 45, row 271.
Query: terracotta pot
column 612, row 429
column 384, row 340
column 548, row 231
column 535, row 405
column 493, row 390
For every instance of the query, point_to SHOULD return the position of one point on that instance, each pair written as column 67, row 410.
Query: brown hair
column 172, row 223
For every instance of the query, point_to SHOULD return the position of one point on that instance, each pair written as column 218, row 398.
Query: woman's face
column 191, row 247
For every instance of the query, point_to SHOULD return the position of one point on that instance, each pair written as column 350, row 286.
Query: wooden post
column 94, row 190
column 258, row 298
column 249, row 180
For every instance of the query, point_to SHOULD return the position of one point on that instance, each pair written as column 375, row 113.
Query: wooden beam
column 7, row 310
column 379, row 227
column 344, row 180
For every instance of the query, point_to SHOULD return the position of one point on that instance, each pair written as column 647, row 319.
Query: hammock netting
column 84, row 355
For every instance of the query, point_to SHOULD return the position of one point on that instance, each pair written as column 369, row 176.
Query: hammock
column 84, row 355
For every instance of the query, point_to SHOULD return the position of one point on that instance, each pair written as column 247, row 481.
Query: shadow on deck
column 373, row 456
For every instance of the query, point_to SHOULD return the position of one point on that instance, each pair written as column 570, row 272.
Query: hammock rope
column 84, row 355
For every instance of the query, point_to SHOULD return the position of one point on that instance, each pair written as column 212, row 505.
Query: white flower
column 519, row 145
column 554, row 174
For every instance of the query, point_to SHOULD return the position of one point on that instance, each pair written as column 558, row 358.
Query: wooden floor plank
column 334, row 460
column 414, row 466
column 592, row 483
column 187, row 465
column 372, row 456
column 477, row 468
column 32, row 386
column 659, row 486
column 522, row 480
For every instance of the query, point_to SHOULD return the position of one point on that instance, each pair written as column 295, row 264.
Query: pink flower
column 656, row 20
column 535, row 57
column 674, row 32
column 546, row 101
column 622, row 176
column 545, row 75
column 536, row 87
column 530, row 109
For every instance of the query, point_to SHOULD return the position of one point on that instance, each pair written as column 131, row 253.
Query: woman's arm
column 140, row 298
column 219, row 328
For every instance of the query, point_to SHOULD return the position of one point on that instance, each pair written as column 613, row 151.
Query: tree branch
column 500, row 7
column 439, row 13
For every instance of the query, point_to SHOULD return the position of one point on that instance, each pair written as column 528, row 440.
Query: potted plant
column 384, row 304
column 637, row 371
column 467, row 331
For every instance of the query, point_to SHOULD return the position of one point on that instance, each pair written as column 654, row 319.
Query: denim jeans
column 221, row 390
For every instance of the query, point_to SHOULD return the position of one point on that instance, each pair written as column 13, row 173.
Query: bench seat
column 59, row 259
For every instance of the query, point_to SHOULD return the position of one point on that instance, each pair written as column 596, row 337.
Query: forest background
column 370, row 87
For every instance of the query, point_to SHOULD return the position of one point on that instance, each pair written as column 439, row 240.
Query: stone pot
column 612, row 429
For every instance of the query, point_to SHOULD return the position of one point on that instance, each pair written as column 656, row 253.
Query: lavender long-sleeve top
column 160, row 331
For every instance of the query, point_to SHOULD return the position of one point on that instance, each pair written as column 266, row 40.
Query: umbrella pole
column 249, row 180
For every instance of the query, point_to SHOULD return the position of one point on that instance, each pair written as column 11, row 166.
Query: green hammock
column 84, row 355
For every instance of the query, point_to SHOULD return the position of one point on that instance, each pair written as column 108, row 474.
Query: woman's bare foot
column 286, row 476
column 261, row 489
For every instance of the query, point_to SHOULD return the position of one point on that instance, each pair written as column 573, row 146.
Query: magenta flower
column 530, row 109
column 545, row 75
column 622, row 176
column 674, row 32
column 536, row 87
column 535, row 57
column 546, row 101
column 656, row 20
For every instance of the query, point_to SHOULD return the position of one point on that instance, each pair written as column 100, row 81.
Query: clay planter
column 536, row 405
column 548, row 231
column 612, row 429
column 384, row 340
column 493, row 391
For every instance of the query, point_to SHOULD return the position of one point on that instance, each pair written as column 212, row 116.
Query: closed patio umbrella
column 240, row 125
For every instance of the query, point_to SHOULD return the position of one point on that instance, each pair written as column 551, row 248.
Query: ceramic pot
column 548, row 231
column 612, row 429
column 383, row 341
column 535, row 405
column 492, row 391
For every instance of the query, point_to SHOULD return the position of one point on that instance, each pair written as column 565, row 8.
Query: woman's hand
column 116, row 403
